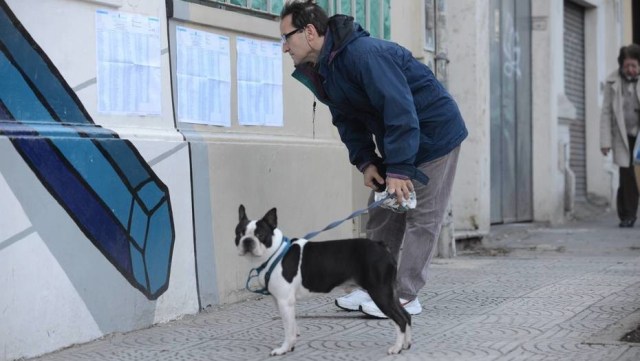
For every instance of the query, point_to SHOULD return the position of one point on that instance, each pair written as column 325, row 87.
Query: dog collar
column 284, row 247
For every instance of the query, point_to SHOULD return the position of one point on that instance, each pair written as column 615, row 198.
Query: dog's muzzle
column 247, row 245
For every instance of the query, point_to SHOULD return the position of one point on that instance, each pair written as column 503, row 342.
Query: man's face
column 630, row 67
column 296, row 43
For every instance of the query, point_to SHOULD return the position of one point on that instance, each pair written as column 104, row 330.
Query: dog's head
column 256, row 238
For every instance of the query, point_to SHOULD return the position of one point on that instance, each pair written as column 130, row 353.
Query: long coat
column 613, row 131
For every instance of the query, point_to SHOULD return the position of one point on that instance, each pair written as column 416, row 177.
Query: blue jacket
column 377, row 89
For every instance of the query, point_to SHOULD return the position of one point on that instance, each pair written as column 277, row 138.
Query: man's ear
column 310, row 32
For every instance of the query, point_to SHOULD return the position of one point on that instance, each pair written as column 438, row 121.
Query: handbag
column 636, row 151
column 635, row 163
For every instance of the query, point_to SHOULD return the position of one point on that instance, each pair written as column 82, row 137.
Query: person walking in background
column 399, row 125
column 619, row 125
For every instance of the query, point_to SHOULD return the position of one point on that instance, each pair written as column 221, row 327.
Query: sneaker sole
column 383, row 317
column 345, row 308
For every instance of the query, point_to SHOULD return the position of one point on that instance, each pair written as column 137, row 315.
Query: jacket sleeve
column 381, row 77
column 359, row 141
column 607, row 117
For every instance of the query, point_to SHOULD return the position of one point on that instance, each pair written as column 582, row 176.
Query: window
column 373, row 15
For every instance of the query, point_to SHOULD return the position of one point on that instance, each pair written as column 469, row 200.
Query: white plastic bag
column 392, row 202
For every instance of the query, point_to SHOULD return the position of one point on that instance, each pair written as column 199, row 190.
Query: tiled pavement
column 532, row 293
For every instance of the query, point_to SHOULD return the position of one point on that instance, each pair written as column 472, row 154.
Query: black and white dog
column 293, row 270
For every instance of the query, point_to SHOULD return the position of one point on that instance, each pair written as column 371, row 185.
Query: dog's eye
column 257, row 234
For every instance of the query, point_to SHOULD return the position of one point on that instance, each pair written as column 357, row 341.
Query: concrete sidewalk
column 531, row 293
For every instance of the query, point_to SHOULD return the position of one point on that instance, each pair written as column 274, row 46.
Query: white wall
column 302, row 168
column 58, row 288
column 468, row 50
column 601, row 173
column 547, row 69
column 604, row 37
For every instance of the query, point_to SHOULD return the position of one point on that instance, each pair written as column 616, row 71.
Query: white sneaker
column 413, row 307
column 353, row 300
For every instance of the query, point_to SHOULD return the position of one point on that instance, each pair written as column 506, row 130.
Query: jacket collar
column 341, row 30
column 615, row 77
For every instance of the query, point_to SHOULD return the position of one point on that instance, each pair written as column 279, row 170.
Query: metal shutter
column 574, row 89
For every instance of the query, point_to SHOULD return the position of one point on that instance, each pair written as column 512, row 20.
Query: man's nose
column 285, row 47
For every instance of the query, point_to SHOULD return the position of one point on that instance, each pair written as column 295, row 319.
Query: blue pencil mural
column 102, row 181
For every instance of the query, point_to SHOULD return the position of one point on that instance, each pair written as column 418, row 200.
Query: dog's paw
column 281, row 350
column 406, row 343
column 394, row 350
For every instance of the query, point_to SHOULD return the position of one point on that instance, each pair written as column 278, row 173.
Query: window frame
column 333, row 7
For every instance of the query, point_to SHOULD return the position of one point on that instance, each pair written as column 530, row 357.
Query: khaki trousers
column 416, row 232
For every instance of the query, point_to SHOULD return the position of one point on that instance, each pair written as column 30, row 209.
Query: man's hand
column 371, row 176
column 400, row 187
column 605, row 151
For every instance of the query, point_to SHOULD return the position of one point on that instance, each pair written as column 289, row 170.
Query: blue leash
column 351, row 216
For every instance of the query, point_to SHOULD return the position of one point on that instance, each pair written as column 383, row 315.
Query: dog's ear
column 242, row 214
column 271, row 218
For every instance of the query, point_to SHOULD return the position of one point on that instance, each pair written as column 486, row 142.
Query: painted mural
column 102, row 181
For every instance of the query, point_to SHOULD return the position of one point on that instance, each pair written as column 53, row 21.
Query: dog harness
column 284, row 248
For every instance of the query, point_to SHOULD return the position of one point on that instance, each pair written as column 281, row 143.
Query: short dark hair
column 306, row 12
column 629, row 52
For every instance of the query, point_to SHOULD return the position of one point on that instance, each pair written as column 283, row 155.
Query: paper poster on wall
column 204, row 77
column 128, row 58
column 259, row 82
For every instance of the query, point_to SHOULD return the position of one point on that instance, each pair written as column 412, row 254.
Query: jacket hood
column 341, row 30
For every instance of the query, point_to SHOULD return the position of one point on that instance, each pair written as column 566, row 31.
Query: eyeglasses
column 285, row 37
